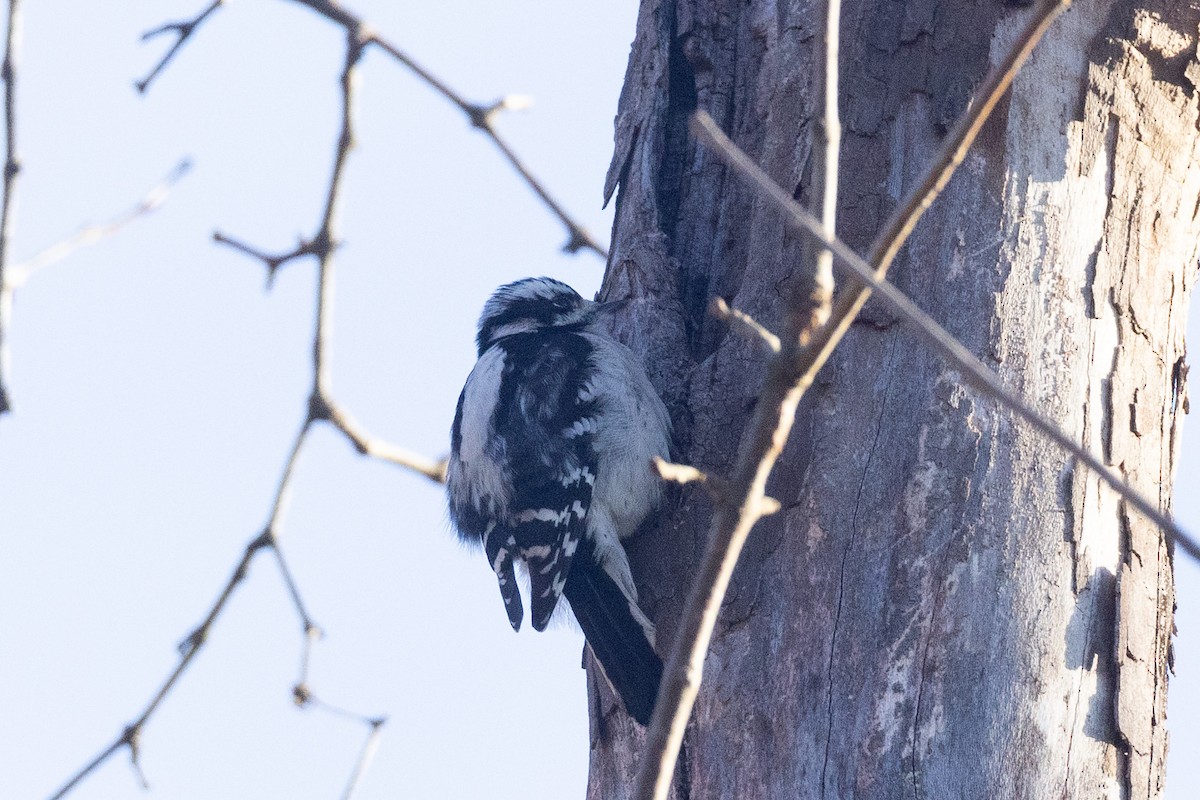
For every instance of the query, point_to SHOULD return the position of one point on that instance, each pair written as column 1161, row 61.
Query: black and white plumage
column 550, row 466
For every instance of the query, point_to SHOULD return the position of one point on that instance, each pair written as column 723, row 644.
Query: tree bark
column 945, row 607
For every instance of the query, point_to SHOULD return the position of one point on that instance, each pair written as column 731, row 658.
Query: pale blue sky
column 158, row 387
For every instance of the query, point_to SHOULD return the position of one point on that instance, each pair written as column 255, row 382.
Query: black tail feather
column 615, row 635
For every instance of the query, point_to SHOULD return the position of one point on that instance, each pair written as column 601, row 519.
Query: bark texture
column 944, row 608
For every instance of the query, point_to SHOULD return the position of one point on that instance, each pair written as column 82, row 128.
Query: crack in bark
column 1124, row 552
column 1093, row 260
column 1088, row 653
column 937, row 605
column 1158, row 684
column 846, row 554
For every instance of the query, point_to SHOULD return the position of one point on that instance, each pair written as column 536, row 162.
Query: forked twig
column 183, row 31
column 188, row 649
column 746, row 323
column 480, row 115
column 366, row 755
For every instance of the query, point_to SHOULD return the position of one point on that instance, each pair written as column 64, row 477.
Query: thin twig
column 368, row 445
column 480, row 115
column 272, row 261
column 812, row 298
column 789, row 374
column 365, row 756
column 91, row 234
column 685, row 473
column 188, row 650
column 14, row 276
column 306, row 699
column 746, row 323
column 183, row 31
column 12, row 166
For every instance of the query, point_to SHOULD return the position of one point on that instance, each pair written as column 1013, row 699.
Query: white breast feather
column 637, row 428
column 474, row 469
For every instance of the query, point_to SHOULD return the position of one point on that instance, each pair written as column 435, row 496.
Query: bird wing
column 545, row 392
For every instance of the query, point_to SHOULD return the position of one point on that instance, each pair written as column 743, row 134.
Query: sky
column 158, row 387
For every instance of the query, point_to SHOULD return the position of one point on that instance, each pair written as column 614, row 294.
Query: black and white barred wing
column 523, row 464
column 544, row 394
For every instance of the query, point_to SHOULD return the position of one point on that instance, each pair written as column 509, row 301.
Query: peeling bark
column 943, row 608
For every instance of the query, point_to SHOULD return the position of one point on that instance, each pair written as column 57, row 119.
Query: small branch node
column 744, row 323
column 264, row 540
column 320, row 409
column 480, row 116
column 581, row 239
column 768, row 506
column 302, row 696
column 270, row 261
column 183, row 31
column 132, row 739
column 684, row 473
column 514, row 102
column 193, row 641
column 323, row 244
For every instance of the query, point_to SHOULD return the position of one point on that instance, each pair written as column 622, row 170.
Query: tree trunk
column 944, row 607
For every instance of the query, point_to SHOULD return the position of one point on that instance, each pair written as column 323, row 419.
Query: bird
column 550, row 468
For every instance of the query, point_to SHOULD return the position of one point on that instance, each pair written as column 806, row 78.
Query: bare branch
column 370, row 746
column 304, row 698
column 271, row 261
column 310, row 628
column 789, row 374
column 812, row 297
column 183, row 31
column 954, row 148
column 579, row 238
column 319, row 408
column 188, row 651
column 482, row 116
column 91, row 234
column 367, row 445
column 716, row 487
column 678, row 473
column 12, row 166
column 746, row 323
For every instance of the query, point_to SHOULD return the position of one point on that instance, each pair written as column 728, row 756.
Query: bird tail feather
column 618, row 632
